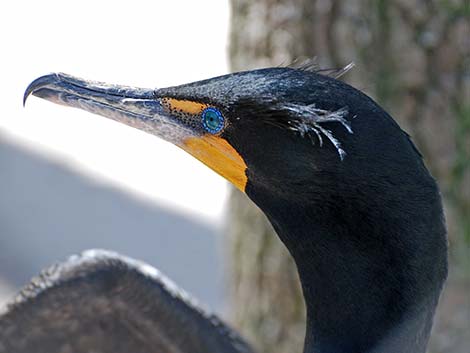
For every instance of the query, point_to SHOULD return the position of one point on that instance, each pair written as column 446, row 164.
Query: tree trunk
column 413, row 57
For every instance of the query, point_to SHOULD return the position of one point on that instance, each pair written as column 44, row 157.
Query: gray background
column 48, row 212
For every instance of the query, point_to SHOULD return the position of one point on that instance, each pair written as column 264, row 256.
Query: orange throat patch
column 220, row 156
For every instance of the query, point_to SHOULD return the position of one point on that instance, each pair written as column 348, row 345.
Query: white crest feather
column 311, row 122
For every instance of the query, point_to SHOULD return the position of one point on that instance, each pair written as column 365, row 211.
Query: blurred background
column 70, row 181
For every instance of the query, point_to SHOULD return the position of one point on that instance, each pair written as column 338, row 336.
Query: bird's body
column 344, row 187
column 103, row 302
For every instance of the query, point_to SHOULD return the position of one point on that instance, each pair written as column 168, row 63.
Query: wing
column 101, row 302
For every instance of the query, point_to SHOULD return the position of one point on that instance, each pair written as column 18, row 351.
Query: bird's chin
column 219, row 155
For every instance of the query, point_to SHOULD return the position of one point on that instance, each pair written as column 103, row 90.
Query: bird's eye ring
column 212, row 120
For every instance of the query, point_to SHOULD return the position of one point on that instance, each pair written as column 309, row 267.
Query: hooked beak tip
column 39, row 83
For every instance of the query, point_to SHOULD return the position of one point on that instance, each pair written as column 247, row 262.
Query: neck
column 368, row 285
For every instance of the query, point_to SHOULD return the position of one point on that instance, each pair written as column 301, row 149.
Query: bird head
column 265, row 129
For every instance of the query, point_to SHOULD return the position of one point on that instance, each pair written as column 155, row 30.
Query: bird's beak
column 140, row 108
column 136, row 107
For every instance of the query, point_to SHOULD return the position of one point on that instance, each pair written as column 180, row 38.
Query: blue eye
column 212, row 120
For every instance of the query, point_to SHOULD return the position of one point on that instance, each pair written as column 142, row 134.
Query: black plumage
column 344, row 187
column 104, row 302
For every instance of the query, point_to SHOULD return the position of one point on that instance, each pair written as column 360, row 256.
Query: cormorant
column 344, row 187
